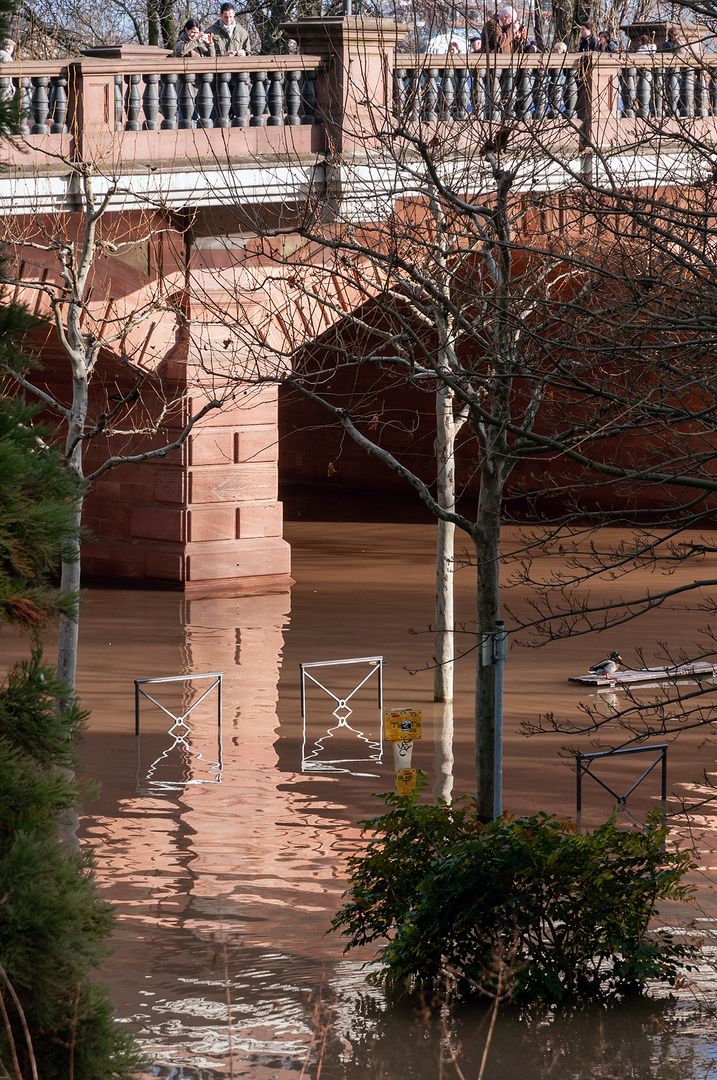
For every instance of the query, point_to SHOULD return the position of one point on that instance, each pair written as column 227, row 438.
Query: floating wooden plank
column 699, row 670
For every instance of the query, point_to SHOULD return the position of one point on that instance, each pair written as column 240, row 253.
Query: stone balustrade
column 176, row 95
column 146, row 94
column 574, row 87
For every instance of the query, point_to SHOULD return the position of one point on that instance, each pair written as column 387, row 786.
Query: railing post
column 354, row 89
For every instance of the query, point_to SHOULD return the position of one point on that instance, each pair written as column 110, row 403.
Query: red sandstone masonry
column 206, row 524
column 256, row 444
column 240, row 483
column 259, row 520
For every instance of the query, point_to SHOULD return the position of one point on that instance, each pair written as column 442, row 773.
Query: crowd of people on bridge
column 505, row 33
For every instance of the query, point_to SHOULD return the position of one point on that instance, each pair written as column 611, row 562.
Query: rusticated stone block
column 170, row 485
column 212, row 447
column 165, row 565
column 258, row 443
column 259, row 520
column 241, row 559
column 158, row 523
column 210, row 523
column 240, row 483
column 258, row 405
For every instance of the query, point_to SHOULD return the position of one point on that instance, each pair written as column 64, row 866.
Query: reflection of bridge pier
column 246, row 864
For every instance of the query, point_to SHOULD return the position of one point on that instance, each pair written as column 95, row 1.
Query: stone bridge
column 184, row 157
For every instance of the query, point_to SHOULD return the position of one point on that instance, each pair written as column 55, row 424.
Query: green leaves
column 53, row 924
column 568, row 915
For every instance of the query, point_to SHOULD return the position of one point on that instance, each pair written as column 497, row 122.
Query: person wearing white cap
column 503, row 33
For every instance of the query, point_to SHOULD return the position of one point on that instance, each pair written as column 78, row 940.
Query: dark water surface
column 224, row 853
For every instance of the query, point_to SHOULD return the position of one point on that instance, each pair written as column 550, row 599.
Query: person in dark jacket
column 230, row 39
column 191, row 42
column 588, row 41
column 606, row 44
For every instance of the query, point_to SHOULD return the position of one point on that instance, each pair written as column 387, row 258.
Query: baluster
column 627, row 91
column 293, row 97
column 40, row 104
column 276, row 99
column 186, row 99
column 26, row 104
column 540, row 94
column 479, row 93
column 712, row 85
column 119, row 103
column 6, row 88
column 399, row 93
column 570, row 93
column 463, row 87
column 687, row 92
column 59, row 105
column 150, row 102
column 555, row 94
column 701, row 95
column 257, row 99
column 168, row 102
column 524, row 94
column 507, row 84
column 447, row 94
column 644, row 93
column 672, row 83
column 224, row 99
column 431, row 100
column 240, row 100
column 308, row 97
column 134, row 103
column 205, row 100
column 658, row 91
column 413, row 91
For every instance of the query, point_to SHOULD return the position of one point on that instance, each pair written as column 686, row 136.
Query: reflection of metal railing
column 310, row 761
column 583, row 769
column 179, row 730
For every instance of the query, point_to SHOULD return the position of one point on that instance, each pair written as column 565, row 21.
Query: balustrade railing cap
column 128, row 50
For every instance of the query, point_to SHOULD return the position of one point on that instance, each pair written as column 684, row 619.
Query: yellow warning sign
column 401, row 725
column 405, row 781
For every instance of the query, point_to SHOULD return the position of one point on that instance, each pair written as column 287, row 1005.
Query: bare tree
column 109, row 340
column 535, row 279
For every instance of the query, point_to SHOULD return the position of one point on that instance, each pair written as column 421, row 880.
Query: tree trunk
column 443, row 746
column 487, row 545
column 445, row 546
column 69, row 627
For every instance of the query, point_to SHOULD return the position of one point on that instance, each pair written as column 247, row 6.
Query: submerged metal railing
column 583, row 763
column 310, row 759
column 179, row 730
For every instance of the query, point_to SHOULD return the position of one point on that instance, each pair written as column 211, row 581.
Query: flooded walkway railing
column 583, row 763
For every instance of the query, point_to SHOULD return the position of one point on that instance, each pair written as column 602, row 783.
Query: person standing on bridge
column 230, row 39
column 503, row 33
column 191, row 42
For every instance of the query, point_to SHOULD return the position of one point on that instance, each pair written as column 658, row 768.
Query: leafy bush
column 568, row 914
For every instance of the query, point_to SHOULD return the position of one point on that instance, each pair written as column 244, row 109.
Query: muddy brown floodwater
column 224, row 851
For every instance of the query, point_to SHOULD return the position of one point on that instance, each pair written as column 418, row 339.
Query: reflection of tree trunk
column 443, row 744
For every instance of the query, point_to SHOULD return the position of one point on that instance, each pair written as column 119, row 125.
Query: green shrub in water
column 568, row 914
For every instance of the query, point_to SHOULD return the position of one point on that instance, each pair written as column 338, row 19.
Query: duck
column 608, row 666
